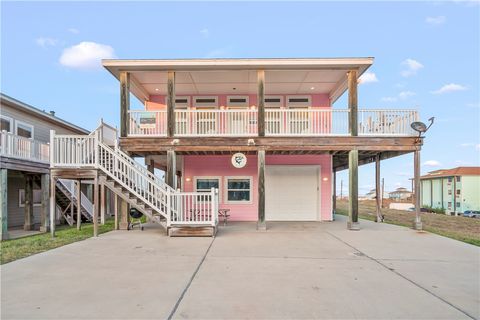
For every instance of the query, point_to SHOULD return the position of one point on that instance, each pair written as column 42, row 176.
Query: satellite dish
column 421, row 127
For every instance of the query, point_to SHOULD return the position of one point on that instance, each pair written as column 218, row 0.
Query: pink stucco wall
column 220, row 166
column 157, row 102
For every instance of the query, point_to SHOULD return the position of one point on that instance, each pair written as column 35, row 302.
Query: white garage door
column 291, row 193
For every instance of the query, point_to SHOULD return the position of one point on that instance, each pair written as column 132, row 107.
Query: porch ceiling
column 238, row 76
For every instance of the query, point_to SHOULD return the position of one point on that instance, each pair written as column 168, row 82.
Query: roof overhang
column 302, row 73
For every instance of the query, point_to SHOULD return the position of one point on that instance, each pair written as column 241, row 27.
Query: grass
column 14, row 249
column 459, row 228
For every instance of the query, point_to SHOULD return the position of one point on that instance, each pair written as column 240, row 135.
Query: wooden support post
column 170, row 103
column 124, row 102
column 353, row 102
column 353, row 190
column 261, row 224
column 45, row 189
column 96, row 206
column 171, row 168
column 123, row 225
column 53, row 182
column 102, row 203
column 4, row 203
column 79, row 205
column 261, row 103
column 378, row 191
column 115, row 208
column 334, row 193
column 416, row 164
column 28, row 213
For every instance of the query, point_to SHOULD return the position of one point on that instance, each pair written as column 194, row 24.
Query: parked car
column 471, row 214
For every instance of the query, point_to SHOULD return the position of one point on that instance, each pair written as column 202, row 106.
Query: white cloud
column 368, row 77
column 451, row 87
column 467, row 144
column 73, row 30
column 412, row 66
column 389, row 99
column 46, row 42
column 86, row 55
column 432, row 163
column 436, row 20
column 406, row 94
column 205, row 32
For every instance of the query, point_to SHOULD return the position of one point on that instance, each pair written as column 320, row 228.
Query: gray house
column 24, row 164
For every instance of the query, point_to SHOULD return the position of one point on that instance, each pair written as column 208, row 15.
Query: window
column 298, row 102
column 234, row 102
column 458, row 179
column 238, row 190
column 449, row 205
column 24, row 129
column 458, row 191
column 6, row 124
column 182, row 102
column 449, row 179
column 449, row 192
column 205, row 184
column 458, row 205
column 206, row 102
column 273, row 101
column 37, row 197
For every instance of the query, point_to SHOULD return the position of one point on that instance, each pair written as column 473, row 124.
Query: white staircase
column 66, row 192
column 133, row 183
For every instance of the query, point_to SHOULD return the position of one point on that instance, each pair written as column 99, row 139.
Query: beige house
column 25, row 163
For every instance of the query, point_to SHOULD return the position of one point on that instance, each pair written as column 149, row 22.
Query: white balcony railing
column 14, row 146
column 278, row 122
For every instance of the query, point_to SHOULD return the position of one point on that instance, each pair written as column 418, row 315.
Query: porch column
column 53, row 182
column 416, row 164
column 171, row 168
column 170, row 103
column 124, row 208
column 102, row 203
column 79, row 204
column 115, row 208
column 261, row 103
column 96, row 205
column 124, row 102
column 334, row 193
column 45, row 186
column 378, row 190
column 4, row 203
column 352, row 223
column 353, row 154
column 28, row 213
column 261, row 224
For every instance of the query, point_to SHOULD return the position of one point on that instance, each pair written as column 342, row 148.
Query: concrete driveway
column 292, row 271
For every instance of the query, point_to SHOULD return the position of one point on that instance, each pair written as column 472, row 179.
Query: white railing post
column 95, row 149
column 52, row 148
column 213, row 206
column 4, row 142
column 168, row 211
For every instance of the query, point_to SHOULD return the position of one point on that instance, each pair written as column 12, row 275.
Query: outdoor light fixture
column 421, row 127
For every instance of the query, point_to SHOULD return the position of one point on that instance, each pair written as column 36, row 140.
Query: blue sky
column 426, row 57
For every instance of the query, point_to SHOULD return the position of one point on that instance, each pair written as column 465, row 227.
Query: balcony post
column 416, row 181
column 261, row 103
column 79, row 204
column 334, row 193
column 4, row 202
column 28, row 193
column 96, row 205
column 45, row 186
column 261, row 224
column 124, row 103
column 170, row 103
column 171, row 168
column 378, row 190
column 353, row 102
column 53, row 182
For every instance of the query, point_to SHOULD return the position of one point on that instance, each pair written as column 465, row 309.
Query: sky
column 427, row 57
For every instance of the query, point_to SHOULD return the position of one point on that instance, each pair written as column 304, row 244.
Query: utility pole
column 341, row 189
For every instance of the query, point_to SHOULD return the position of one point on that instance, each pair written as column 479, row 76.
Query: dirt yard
column 460, row 228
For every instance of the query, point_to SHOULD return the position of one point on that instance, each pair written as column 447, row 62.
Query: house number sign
column 239, row 160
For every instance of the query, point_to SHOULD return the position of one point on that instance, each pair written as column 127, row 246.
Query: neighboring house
column 371, row 195
column 262, row 132
column 24, row 169
column 455, row 190
column 400, row 194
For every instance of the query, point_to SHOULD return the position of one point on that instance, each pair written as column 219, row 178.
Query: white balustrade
column 14, row 146
column 72, row 150
column 195, row 208
column 278, row 122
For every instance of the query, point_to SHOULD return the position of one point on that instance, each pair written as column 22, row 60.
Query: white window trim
column 238, row 105
column 225, row 188
column 20, row 191
column 25, row 124
column 9, row 120
column 219, row 178
column 294, row 105
column 205, row 105
column 274, row 105
column 183, row 105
